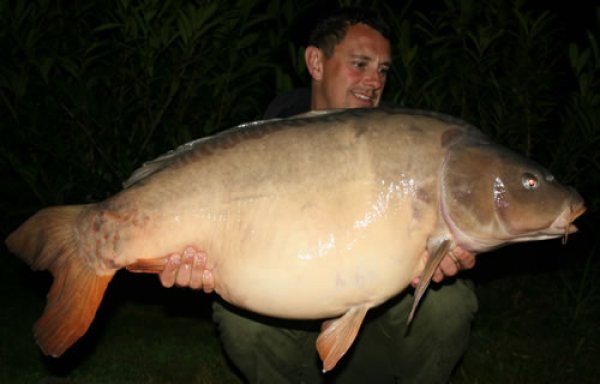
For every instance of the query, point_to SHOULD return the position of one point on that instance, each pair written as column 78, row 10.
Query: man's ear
column 313, row 57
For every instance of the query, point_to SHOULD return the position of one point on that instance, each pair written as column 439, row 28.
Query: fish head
column 492, row 197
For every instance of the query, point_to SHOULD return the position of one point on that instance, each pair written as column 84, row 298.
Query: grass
column 532, row 326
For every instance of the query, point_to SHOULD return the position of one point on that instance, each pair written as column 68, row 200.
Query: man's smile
column 367, row 98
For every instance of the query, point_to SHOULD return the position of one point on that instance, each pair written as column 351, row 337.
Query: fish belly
column 313, row 256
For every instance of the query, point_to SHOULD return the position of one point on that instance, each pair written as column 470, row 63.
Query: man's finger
column 198, row 268
column 438, row 275
column 184, row 275
column 465, row 259
column 167, row 276
column 449, row 265
column 208, row 282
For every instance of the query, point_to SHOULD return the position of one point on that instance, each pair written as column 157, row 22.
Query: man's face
column 355, row 74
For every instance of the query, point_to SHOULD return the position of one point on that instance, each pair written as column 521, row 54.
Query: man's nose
column 374, row 79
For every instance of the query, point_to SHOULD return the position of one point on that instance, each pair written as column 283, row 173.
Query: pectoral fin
column 434, row 260
column 338, row 335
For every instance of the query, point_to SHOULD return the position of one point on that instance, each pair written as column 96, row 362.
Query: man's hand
column 188, row 269
column 455, row 261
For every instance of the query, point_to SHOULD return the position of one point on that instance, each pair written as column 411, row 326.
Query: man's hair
column 331, row 30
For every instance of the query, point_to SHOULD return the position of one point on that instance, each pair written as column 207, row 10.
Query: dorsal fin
column 259, row 128
column 153, row 166
column 224, row 138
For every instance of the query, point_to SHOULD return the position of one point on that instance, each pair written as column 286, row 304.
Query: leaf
column 44, row 67
column 107, row 27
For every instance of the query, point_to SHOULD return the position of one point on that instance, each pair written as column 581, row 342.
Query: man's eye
column 384, row 70
column 360, row 64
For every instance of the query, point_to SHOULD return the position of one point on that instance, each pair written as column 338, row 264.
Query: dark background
column 91, row 89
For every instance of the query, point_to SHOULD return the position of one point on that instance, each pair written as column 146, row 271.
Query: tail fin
column 46, row 241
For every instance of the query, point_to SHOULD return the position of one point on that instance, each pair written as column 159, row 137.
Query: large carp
column 319, row 216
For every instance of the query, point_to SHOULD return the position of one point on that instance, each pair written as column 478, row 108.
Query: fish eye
column 529, row 181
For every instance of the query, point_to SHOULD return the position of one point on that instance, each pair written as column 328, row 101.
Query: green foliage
column 90, row 91
column 490, row 65
column 577, row 152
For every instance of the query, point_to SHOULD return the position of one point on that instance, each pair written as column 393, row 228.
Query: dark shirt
column 289, row 103
column 297, row 101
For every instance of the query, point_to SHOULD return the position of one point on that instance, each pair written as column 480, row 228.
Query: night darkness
column 91, row 90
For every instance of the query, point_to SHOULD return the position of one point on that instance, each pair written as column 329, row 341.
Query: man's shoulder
column 289, row 103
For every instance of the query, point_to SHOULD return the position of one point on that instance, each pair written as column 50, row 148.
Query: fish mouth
column 568, row 227
column 561, row 227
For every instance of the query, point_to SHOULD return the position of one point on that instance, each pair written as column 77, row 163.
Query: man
column 348, row 58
